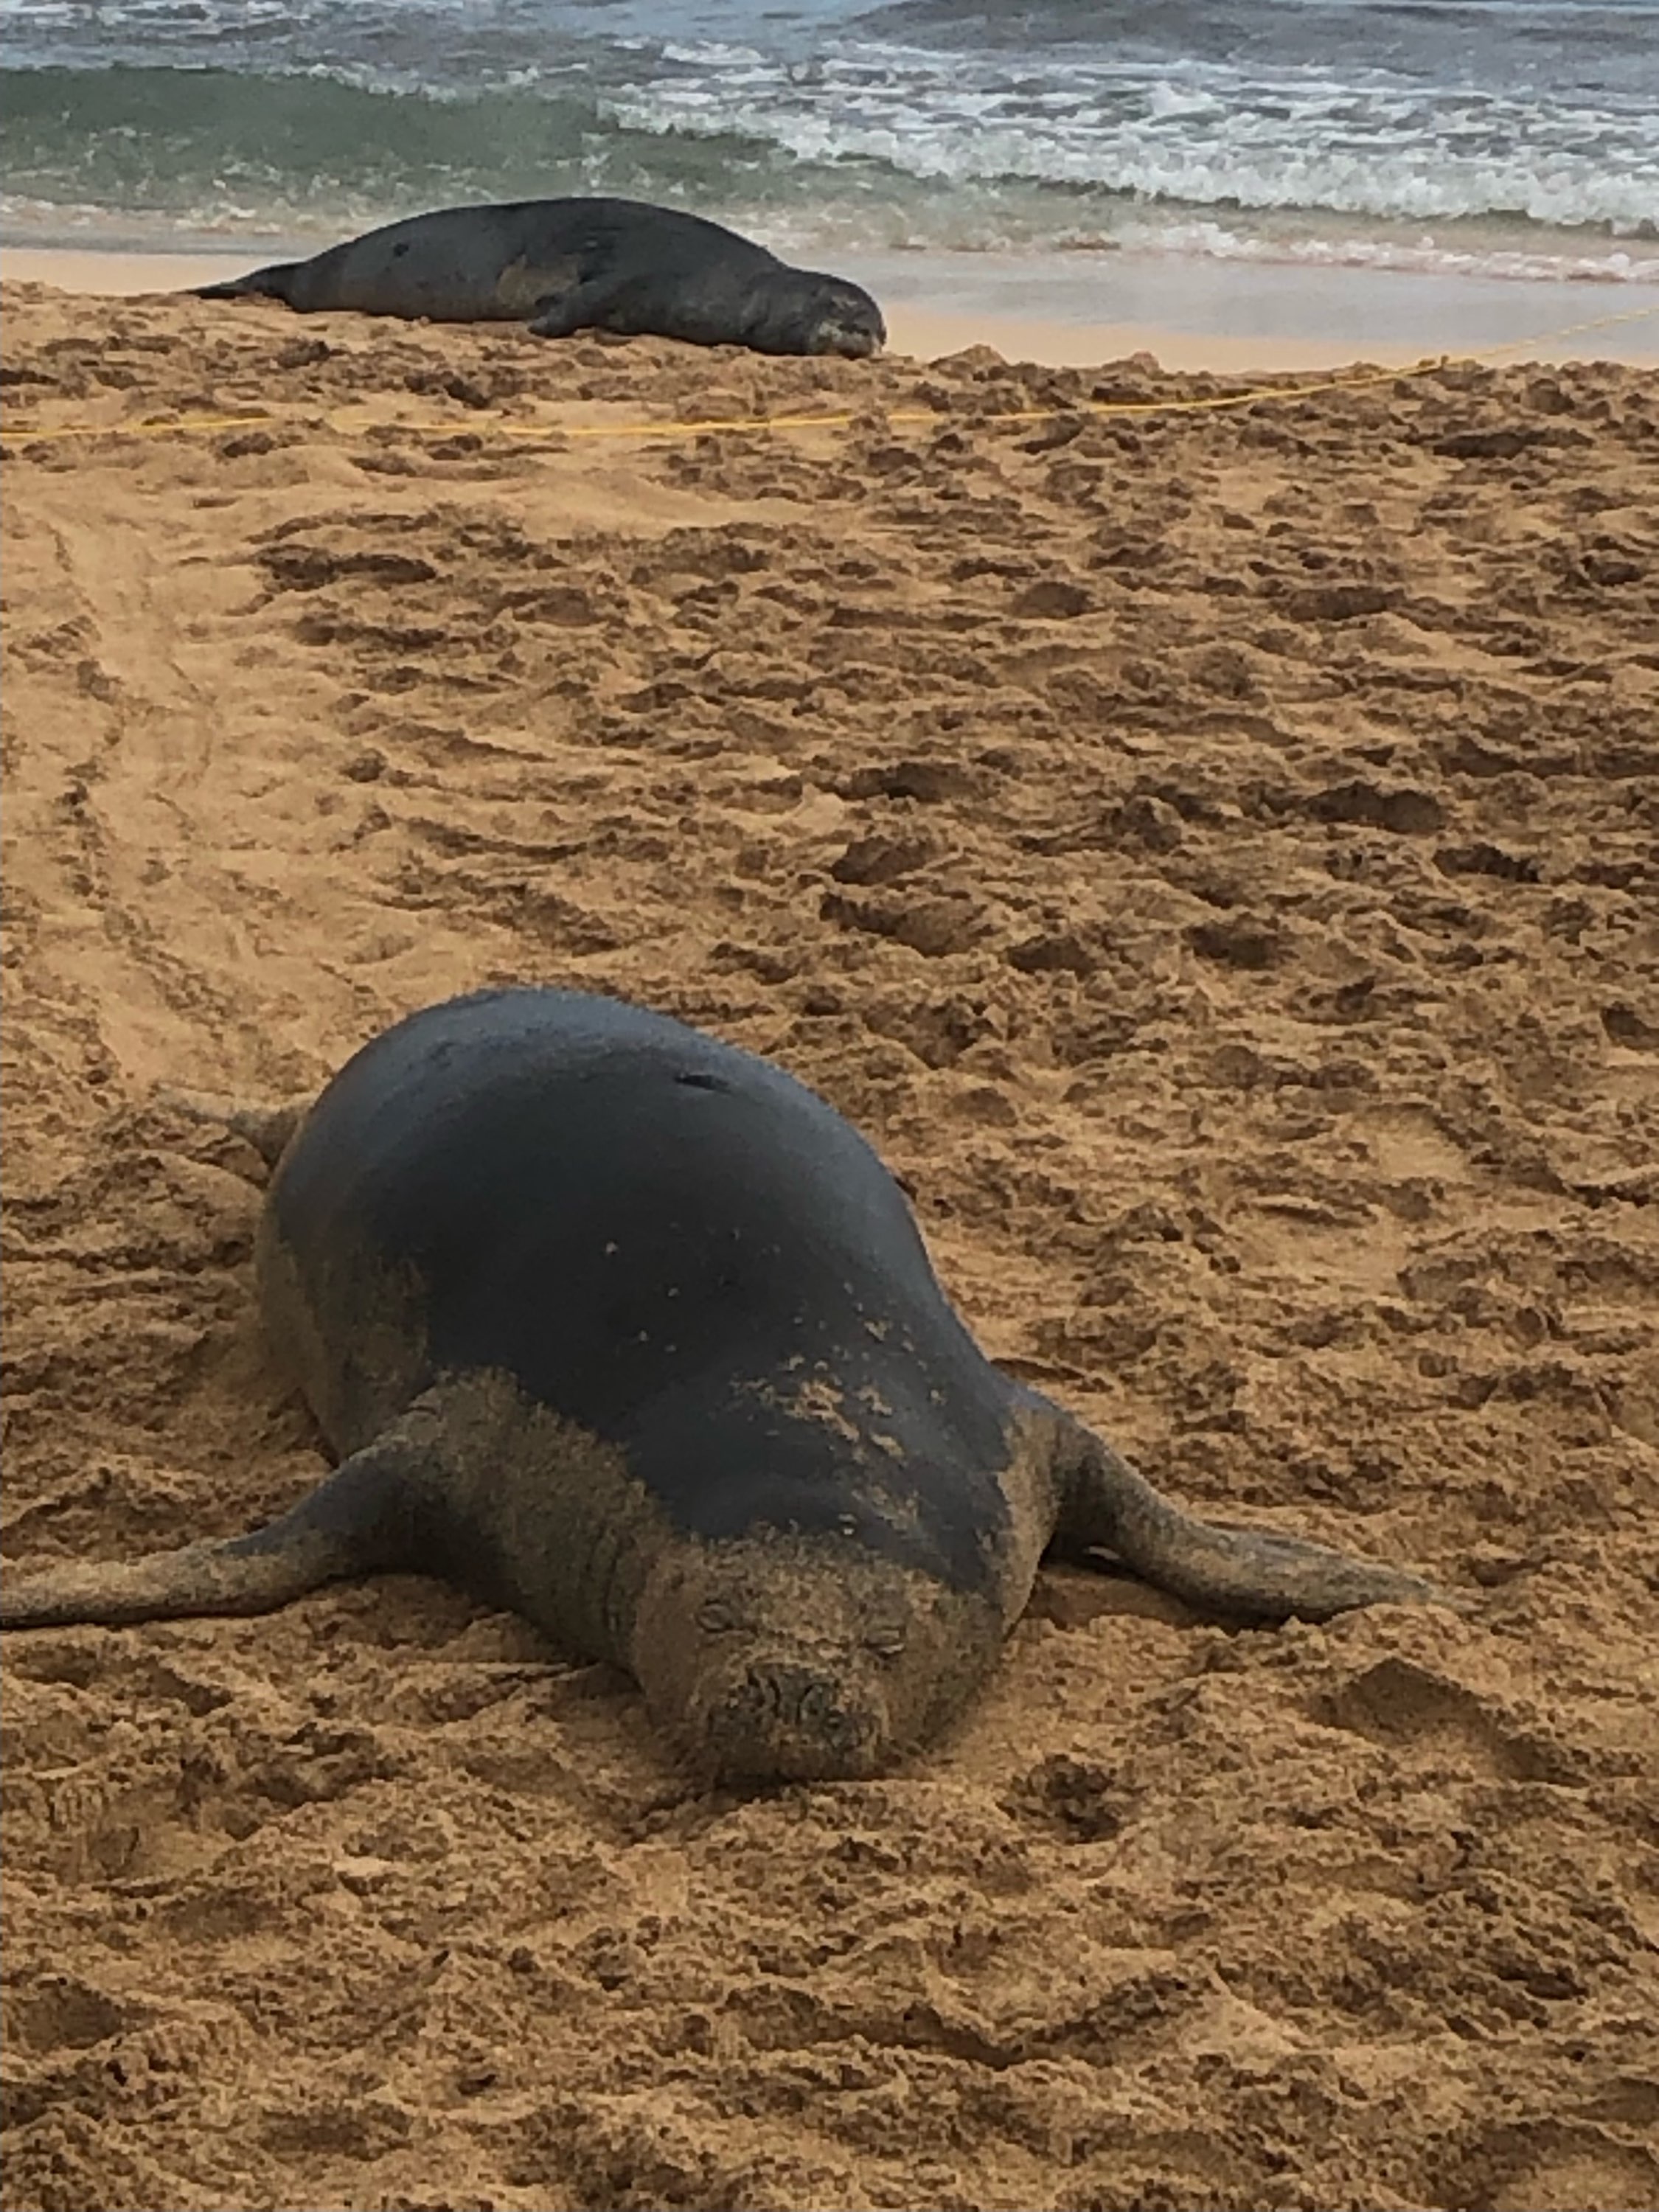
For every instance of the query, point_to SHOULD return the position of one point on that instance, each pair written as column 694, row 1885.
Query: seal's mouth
column 783, row 1721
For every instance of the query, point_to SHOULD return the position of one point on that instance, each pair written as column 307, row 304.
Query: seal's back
column 659, row 1237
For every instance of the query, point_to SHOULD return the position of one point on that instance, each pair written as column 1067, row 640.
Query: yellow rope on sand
column 750, row 425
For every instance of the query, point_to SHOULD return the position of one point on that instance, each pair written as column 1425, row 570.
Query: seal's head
column 802, row 312
column 791, row 1659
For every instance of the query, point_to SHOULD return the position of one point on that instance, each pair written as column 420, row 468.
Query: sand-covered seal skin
column 564, row 265
column 624, row 1327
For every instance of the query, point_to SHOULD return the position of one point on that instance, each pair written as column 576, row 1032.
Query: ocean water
column 1505, row 137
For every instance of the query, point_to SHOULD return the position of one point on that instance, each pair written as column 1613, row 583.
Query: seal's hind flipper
column 266, row 283
column 1250, row 1574
column 362, row 1520
column 270, row 1129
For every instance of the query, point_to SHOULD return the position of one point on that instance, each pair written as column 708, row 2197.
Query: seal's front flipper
column 578, row 309
column 1246, row 1573
column 364, row 1519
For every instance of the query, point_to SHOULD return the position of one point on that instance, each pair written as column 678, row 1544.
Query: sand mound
column 1213, row 857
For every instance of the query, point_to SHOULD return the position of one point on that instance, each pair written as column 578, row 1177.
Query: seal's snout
column 852, row 345
column 776, row 1658
column 797, row 1722
column 855, row 332
column 842, row 319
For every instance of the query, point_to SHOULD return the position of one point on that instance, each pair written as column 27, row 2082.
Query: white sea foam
column 1209, row 138
column 1426, row 255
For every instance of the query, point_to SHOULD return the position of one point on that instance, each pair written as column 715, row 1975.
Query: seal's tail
column 360, row 1520
column 269, row 283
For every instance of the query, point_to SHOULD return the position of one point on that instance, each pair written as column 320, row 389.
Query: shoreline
column 1075, row 311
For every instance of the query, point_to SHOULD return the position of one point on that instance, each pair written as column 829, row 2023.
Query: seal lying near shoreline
column 579, row 264
column 624, row 1328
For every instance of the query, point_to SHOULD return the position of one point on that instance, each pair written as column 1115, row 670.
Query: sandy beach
column 1210, row 852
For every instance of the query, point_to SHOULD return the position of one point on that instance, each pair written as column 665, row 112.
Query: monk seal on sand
column 623, row 1327
column 579, row 264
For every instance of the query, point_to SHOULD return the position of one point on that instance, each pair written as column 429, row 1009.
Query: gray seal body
column 565, row 265
column 620, row 1326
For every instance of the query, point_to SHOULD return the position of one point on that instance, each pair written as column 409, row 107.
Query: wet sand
column 1074, row 310
column 1212, row 855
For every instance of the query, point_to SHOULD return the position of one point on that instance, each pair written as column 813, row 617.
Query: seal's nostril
column 766, row 1693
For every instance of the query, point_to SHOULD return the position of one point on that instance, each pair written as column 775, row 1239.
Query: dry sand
column 1213, row 856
